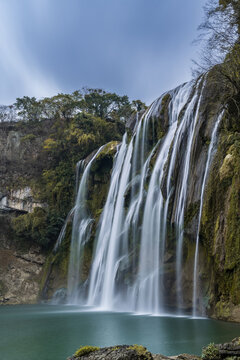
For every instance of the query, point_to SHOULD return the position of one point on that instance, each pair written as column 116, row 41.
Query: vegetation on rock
column 84, row 350
column 210, row 352
column 79, row 123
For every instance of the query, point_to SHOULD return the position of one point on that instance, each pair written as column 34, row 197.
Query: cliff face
column 21, row 262
column 20, row 267
column 55, row 275
column 211, row 99
column 221, row 225
column 21, row 161
column 30, row 270
column 219, row 238
column 219, row 267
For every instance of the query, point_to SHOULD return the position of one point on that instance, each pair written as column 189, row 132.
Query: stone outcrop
column 124, row 352
column 20, row 200
column 20, row 267
column 229, row 351
column 21, row 157
column 21, row 160
column 213, row 351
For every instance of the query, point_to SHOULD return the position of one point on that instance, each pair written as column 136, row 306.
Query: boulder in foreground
column 226, row 351
column 121, row 352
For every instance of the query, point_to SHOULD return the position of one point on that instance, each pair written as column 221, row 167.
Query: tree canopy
column 92, row 101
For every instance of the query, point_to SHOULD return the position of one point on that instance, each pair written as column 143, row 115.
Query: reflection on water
column 44, row 332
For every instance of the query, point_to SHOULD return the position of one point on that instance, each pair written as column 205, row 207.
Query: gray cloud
column 139, row 48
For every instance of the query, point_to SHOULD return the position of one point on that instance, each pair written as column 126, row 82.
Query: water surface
column 46, row 332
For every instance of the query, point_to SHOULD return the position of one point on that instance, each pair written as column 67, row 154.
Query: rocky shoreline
column 229, row 351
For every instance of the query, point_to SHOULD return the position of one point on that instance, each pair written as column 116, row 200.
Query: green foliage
column 76, row 140
column 84, row 350
column 103, row 104
column 210, row 352
column 41, row 226
column 109, row 105
column 77, row 124
column 61, row 106
column 29, row 108
column 57, row 187
column 141, row 351
column 28, row 137
column 96, row 102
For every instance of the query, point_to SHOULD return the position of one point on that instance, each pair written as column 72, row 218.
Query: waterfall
column 209, row 157
column 82, row 222
column 63, row 230
column 106, row 254
column 187, row 126
column 79, row 169
column 145, row 205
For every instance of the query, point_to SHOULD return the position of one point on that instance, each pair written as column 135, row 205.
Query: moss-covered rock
column 119, row 352
column 85, row 350
column 220, row 228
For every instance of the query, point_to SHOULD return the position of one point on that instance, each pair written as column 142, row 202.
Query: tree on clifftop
column 96, row 102
column 220, row 38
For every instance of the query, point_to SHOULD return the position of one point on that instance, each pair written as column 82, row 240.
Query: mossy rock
column 220, row 223
column 105, row 157
column 119, row 352
column 141, row 351
column 85, row 350
column 192, row 211
column 210, row 352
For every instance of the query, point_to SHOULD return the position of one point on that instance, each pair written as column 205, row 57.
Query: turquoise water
column 45, row 332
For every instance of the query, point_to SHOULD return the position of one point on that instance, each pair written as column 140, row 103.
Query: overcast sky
column 140, row 48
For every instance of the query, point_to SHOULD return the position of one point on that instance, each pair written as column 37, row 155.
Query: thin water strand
column 208, row 163
column 80, row 234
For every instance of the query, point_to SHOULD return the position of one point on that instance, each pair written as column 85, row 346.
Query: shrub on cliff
column 210, row 352
column 41, row 226
column 80, row 123
column 67, row 144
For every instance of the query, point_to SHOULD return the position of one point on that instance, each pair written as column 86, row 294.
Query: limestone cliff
column 35, row 197
column 21, row 262
column 20, row 267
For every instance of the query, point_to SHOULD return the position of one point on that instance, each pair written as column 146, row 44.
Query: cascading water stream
column 187, row 126
column 209, row 158
column 147, row 196
column 79, row 169
column 63, row 230
column 112, row 248
column 80, row 234
column 151, row 272
column 112, row 241
column 110, row 229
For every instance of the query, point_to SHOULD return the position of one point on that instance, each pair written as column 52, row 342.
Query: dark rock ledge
column 228, row 351
column 123, row 352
